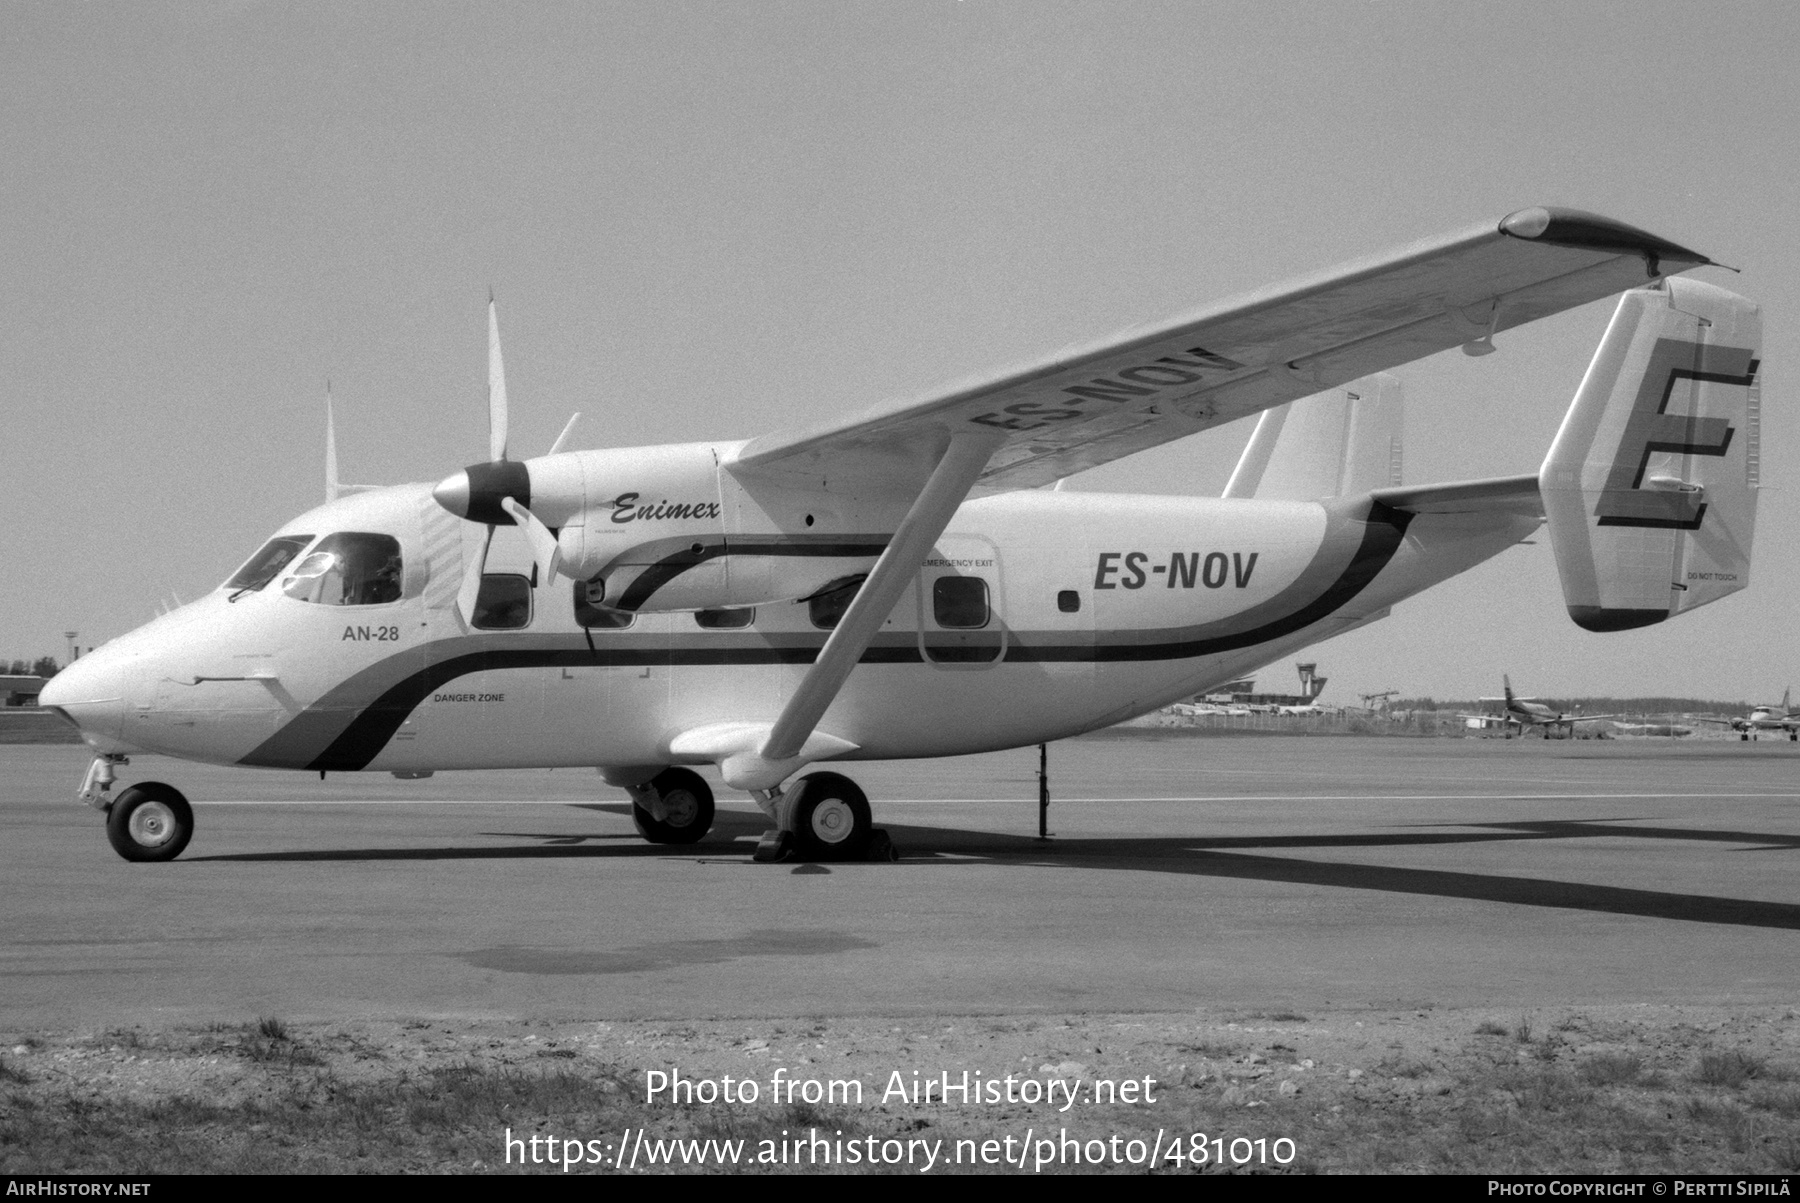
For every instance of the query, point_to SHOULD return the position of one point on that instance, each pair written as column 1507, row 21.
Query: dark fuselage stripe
column 351, row 737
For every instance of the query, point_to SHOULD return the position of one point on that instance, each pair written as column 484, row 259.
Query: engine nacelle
column 726, row 573
column 665, row 528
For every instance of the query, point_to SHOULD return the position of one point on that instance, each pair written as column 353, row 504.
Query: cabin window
column 504, row 603
column 599, row 618
column 350, row 568
column 1068, row 601
column 827, row 609
column 266, row 564
column 725, row 619
column 960, row 603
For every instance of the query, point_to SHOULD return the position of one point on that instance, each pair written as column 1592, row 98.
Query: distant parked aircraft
column 1529, row 712
column 1765, row 718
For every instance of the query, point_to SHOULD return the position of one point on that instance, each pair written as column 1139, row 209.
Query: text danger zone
column 1180, row 569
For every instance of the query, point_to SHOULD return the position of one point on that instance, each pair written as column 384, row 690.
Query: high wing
column 1034, row 426
column 1147, row 387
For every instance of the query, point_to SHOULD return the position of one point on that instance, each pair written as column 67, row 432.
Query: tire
column 687, row 803
column 831, row 818
column 149, row 822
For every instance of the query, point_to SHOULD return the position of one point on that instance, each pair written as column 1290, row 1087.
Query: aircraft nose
column 90, row 693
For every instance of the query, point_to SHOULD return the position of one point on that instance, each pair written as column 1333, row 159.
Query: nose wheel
column 149, row 822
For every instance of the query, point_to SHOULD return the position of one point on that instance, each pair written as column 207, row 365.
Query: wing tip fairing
column 1578, row 228
column 1606, row 619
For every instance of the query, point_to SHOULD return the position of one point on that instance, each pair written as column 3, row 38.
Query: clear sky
column 717, row 219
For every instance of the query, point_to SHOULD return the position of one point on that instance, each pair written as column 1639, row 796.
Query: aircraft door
column 961, row 599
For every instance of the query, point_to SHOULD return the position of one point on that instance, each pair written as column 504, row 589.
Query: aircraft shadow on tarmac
column 1195, row 856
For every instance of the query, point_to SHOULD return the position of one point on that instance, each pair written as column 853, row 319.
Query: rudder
column 1650, row 487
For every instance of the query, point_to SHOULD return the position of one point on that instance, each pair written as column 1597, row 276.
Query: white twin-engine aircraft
column 898, row 583
column 1766, row 717
column 1524, row 712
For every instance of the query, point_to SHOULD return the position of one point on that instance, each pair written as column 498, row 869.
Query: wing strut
column 963, row 462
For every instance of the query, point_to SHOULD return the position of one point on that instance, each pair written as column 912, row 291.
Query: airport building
column 1243, row 692
column 21, row 690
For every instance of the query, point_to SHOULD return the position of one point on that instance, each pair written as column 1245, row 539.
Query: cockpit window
column 262, row 567
column 348, row 569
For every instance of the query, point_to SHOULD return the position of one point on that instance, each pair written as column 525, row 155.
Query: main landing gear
column 823, row 817
column 674, row 807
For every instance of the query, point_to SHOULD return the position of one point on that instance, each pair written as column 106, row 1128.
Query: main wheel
column 151, row 821
column 831, row 818
column 687, row 808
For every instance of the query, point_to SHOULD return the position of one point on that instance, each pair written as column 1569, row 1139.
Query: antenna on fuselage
column 331, row 471
column 335, row 488
column 568, row 429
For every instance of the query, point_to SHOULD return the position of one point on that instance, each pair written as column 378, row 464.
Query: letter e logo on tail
column 1624, row 501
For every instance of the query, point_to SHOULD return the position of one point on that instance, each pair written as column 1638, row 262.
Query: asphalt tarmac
column 1185, row 872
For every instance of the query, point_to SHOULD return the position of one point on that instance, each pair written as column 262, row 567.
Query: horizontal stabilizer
column 1509, row 494
column 1650, row 486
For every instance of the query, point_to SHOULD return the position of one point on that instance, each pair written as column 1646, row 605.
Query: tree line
column 43, row 666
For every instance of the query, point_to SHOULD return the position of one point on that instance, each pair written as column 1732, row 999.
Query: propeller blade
column 471, row 582
column 331, row 468
column 564, row 436
column 544, row 547
column 496, row 387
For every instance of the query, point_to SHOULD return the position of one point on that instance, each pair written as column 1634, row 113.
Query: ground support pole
column 1043, row 791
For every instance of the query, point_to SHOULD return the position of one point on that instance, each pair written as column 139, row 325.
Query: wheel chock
column 774, row 847
column 881, row 847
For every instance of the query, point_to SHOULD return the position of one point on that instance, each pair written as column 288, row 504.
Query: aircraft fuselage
column 1097, row 608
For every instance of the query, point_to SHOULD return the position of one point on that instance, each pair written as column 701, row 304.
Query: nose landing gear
column 149, row 822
